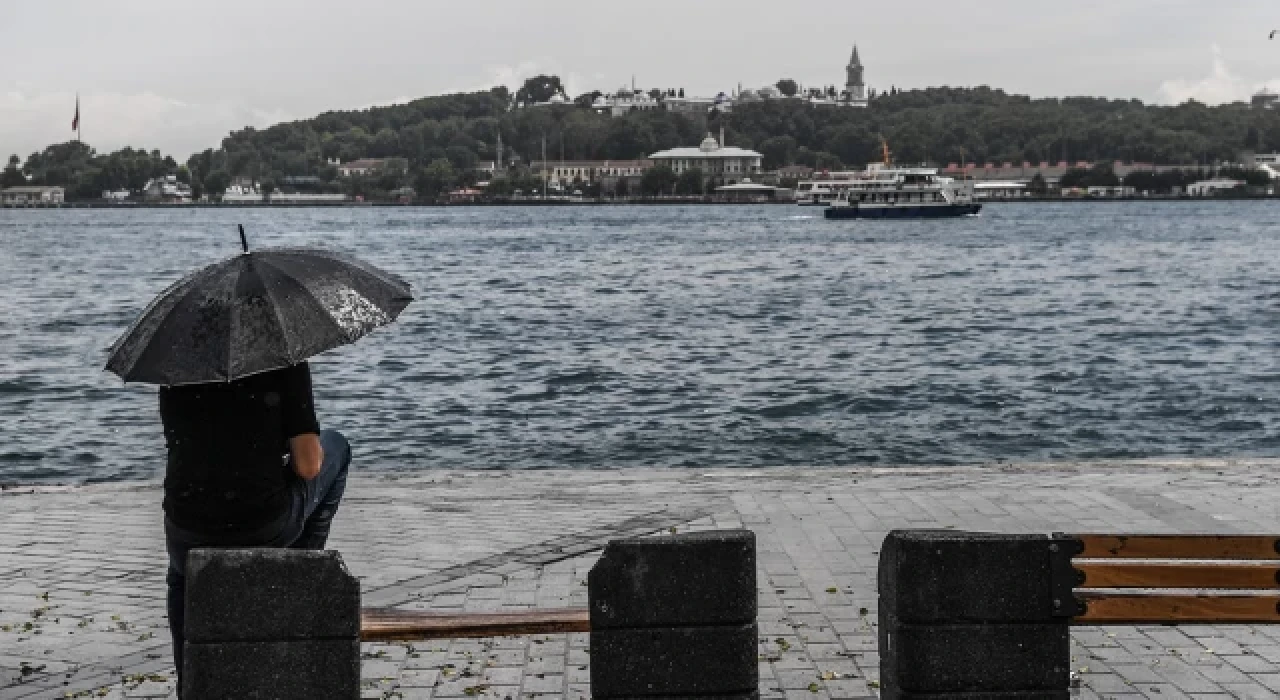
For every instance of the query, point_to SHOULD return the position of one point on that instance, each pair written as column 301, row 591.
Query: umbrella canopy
column 256, row 312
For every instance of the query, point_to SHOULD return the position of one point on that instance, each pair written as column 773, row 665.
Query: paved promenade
column 82, row 571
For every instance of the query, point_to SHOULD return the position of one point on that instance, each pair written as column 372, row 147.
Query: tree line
column 437, row 141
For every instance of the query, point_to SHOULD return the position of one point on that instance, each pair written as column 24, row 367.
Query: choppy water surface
column 699, row 336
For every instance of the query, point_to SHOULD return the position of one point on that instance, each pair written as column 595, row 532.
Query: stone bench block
column 949, row 576
column 975, row 658
column 675, row 662
column 687, row 580
column 270, row 594
column 293, row 670
column 1013, row 695
column 274, row 624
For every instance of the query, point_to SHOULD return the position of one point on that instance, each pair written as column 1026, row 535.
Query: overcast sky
column 178, row 76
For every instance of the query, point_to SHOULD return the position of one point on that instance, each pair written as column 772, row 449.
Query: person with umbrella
column 248, row 464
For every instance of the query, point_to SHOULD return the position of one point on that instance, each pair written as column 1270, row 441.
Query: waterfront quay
column 82, row 570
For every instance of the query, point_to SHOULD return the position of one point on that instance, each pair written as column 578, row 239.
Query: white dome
column 558, row 99
column 709, row 144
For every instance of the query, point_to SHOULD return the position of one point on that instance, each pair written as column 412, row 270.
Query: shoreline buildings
column 728, row 163
column 627, row 99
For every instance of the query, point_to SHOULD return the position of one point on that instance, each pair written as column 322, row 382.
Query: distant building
column 1268, row 163
column 32, row 195
column 116, row 195
column 714, row 160
column 748, row 191
column 722, row 102
column 797, row 172
column 245, row 191
column 465, row 195
column 1209, row 188
column 363, row 166
column 167, row 189
column 1050, row 172
column 306, row 197
column 855, row 89
column 1265, row 99
column 558, row 99
column 996, row 189
column 1111, row 191
column 301, row 181
column 626, row 100
column 561, row 174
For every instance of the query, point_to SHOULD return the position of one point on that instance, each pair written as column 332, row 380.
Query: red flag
column 75, row 123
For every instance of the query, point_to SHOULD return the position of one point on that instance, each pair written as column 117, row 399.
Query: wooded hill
column 441, row 138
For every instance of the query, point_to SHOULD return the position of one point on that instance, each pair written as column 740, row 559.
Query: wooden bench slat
column 1138, row 608
column 1173, row 574
column 387, row 624
column 1179, row 546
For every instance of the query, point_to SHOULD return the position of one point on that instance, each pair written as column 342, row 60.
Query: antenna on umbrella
column 244, row 242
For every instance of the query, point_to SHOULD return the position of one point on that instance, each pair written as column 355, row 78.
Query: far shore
column 666, row 201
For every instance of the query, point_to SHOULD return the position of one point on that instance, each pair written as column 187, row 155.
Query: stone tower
column 854, row 86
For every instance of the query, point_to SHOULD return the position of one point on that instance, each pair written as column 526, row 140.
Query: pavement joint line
column 386, row 595
column 556, row 549
column 818, row 533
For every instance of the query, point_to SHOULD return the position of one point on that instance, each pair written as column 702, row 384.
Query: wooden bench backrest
column 1143, row 579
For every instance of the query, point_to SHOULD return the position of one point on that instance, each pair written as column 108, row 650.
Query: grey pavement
column 82, row 570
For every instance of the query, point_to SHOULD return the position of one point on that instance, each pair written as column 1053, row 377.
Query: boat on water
column 888, row 192
column 904, row 193
column 824, row 189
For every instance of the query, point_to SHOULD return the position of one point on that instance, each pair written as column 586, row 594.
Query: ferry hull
column 933, row 212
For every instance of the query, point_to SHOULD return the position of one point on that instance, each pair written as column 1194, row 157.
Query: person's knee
column 336, row 444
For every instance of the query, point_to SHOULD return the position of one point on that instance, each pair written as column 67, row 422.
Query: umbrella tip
column 244, row 242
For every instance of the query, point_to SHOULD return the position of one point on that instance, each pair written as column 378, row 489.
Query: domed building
column 727, row 163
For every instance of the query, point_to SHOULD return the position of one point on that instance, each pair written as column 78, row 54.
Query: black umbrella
column 258, row 311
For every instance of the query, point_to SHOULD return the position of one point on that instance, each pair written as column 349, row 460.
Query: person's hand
column 308, row 455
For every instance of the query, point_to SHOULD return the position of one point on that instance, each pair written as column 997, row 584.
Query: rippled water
column 693, row 336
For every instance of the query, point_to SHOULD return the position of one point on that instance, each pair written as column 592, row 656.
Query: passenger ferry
column 883, row 191
column 823, row 191
column 904, row 193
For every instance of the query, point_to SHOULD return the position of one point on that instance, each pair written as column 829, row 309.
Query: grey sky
column 178, row 76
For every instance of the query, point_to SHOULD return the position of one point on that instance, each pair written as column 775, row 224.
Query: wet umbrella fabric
column 256, row 312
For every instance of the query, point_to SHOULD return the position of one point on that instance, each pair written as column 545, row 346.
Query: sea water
column 699, row 336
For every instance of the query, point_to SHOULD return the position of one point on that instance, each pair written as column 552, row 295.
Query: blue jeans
column 311, row 510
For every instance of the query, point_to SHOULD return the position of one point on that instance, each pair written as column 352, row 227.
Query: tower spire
column 854, row 88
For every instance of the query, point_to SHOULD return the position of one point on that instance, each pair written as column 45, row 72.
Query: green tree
column 1038, row 186
column 620, row 187
column 539, row 88
column 788, row 87
column 216, row 183
column 436, row 178
column 690, row 181
column 12, row 175
column 660, row 179
column 778, row 151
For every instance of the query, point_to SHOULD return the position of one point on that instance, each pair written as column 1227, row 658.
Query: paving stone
column 486, row 540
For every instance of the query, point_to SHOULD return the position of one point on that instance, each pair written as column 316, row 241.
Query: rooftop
column 31, row 189
column 709, row 148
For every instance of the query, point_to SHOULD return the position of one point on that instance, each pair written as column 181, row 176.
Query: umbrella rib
column 275, row 309
column 233, row 312
column 383, row 276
